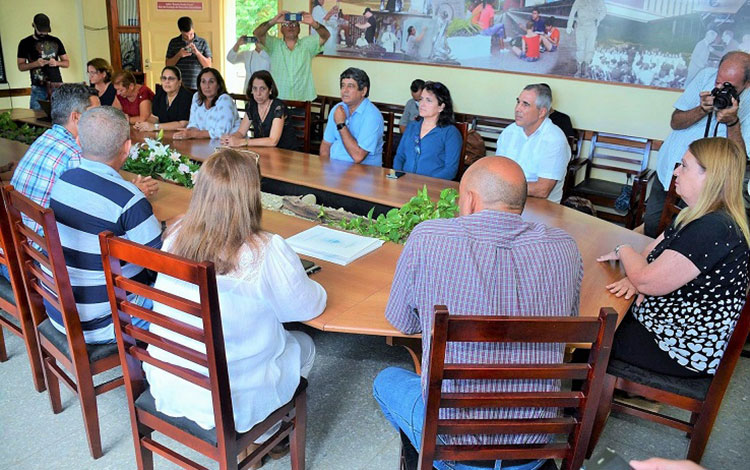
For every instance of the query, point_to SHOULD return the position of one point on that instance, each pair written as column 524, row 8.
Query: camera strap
column 708, row 126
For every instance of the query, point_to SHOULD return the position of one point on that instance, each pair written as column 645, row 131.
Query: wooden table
column 358, row 293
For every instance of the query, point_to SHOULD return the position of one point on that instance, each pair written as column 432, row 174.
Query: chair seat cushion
column 147, row 403
column 692, row 388
column 60, row 341
column 6, row 291
column 596, row 187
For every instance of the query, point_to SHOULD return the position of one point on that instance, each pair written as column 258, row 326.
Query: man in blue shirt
column 93, row 198
column 354, row 132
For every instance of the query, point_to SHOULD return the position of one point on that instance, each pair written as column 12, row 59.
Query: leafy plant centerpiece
column 153, row 158
column 25, row 133
column 397, row 224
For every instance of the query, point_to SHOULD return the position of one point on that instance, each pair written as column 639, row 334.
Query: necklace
column 264, row 112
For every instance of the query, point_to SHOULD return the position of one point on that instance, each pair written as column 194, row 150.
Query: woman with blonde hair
column 691, row 282
column 261, row 285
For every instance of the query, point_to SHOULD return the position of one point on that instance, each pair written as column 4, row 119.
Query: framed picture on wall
column 654, row 43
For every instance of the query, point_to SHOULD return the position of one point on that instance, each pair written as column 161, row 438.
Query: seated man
column 354, row 132
column 488, row 261
column 57, row 150
column 93, row 198
column 535, row 143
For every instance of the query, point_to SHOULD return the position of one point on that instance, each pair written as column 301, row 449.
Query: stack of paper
column 332, row 245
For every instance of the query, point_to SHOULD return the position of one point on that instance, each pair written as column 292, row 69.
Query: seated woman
column 133, row 99
column 171, row 106
column 692, row 280
column 267, row 116
column 100, row 78
column 213, row 112
column 431, row 144
column 261, row 285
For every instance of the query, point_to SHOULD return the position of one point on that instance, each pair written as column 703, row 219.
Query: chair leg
column 90, row 412
column 602, row 412
column 693, row 418
column 701, row 432
column 3, row 351
column 298, row 437
column 53, row 385
column 144, row 458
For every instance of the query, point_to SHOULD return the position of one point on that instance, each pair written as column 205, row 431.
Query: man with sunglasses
column 291, row 57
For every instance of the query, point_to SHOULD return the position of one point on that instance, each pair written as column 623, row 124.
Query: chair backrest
column 132, row 340
column 488, row 127
column 463, row 128
column 618, row 153
column 576, row 426
column 671, row 209
column 19, row 310
column 388, row 121
column 43, row 269
column 301, row 121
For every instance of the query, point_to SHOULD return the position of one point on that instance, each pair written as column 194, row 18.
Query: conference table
column 358, row 293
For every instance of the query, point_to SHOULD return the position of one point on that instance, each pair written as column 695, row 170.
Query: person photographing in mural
column 369, row 26
column 719, row 96
column 587, row 15
column 291, row 57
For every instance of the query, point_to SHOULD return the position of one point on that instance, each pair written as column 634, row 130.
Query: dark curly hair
column 443, row 96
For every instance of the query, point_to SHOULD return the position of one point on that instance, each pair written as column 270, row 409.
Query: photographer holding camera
column 188, row 52
column 714, row 103
column 291, row 57
column 254, row 57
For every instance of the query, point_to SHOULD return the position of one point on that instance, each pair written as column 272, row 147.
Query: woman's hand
column 184, row 134
column 144, row 126
column 233, row 140
column 623, row 287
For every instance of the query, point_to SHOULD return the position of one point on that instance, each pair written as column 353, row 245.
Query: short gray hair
column 102, row 131
column 67, row 98
column 543, row 95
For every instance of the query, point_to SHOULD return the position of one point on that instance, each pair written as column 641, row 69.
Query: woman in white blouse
column 213, row 112
column 261, row 285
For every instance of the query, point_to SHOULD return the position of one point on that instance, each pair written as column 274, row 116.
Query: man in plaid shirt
column 488, row 261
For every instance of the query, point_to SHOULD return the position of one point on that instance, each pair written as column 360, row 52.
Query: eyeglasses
column 171, row 78
column 290, row 24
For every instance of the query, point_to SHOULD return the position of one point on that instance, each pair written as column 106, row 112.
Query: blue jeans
column 37, row 93
column 399, row 394
column 4, row 272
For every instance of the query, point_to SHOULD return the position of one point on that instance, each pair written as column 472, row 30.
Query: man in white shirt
column 254, row 58
column 535, row 143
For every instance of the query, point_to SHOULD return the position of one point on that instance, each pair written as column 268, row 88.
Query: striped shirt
column 53, row 153
column 292, row 68
column 86, row 201
column 189, row 65
column 487, row 263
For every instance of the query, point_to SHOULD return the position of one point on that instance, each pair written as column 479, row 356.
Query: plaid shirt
column 53, row 153
column 488, row 263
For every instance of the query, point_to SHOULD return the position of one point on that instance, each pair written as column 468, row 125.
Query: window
column 247, row 15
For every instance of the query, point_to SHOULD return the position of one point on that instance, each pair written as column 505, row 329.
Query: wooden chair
column 672, row 206
column 223, row 443
column 301, row 121
column 621, row 154
column 15, row 315
column 65, row 357
column 580, row 405
column 463, row 128
column 701, row 397
column 388, row 120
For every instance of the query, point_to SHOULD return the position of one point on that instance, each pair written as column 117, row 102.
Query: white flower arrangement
column 156, row 159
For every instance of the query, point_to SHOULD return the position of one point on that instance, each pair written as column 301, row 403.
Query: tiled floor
column 346, row 430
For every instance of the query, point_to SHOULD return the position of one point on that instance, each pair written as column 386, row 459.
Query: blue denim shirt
column 365, row 125
column 436, row 154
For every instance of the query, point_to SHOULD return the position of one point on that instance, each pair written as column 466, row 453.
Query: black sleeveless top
column 278, row 109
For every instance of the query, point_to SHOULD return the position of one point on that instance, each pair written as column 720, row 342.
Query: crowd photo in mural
column 659, row 43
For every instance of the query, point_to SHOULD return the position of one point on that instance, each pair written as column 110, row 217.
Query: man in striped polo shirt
column 91, row 199
column 489, row 261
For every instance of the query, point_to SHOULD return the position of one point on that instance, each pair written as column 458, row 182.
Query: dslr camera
column 723, row 96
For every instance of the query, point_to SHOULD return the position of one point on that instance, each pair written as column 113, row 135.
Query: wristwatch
column 617, row 250
column 340, row 126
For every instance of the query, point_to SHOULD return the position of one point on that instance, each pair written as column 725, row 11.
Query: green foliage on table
column 397, row 224
column 25, row 133
column 158, row 160
column 251, row 13
column 462, row 27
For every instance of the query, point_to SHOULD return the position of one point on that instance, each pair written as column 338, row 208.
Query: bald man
column 692, row 109
column 487, row 261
